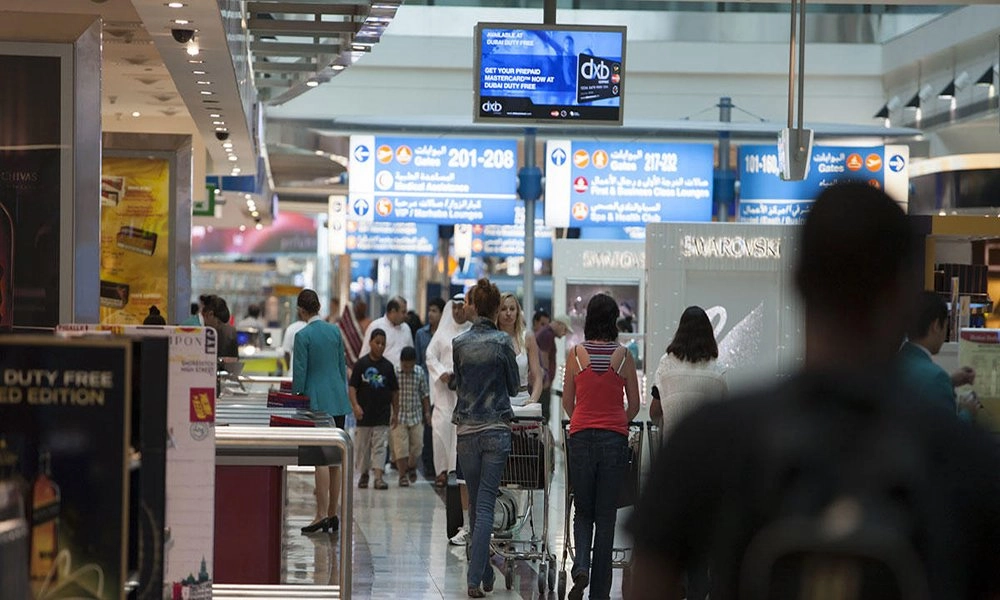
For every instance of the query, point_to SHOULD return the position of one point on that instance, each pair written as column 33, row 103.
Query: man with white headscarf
column 440, row 368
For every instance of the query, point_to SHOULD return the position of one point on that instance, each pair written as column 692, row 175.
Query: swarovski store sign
column 731, row 247
column 742, row 275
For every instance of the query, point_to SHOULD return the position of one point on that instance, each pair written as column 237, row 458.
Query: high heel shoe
column 327, row 524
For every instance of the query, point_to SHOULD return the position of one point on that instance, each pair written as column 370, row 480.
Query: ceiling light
column 181, row 21
column 136, row 114
column 236, row 170
column 243, row 227
column 233, row 157
column 192, row 48
column 319, row 152
column 197, row 72
column 195, row 62
column 221, row 129
column 204, row 83
column 215, row 115
column 175, row 5
column 312, row 83
column 258, row 227
column 255, row 214
column 338, row 67
column 227, row 145
column 218, row 122
column 206, row 93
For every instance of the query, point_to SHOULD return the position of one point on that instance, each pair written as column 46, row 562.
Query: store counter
column 250, row 470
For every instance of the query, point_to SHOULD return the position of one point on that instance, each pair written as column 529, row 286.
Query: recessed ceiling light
column 195, row 62
column 221, row 129
column 203, row 82
column 227, row 145
column 338, row 67
column 198, row 72
column 255, row 214
column 175, row 5
column 181, row 21
column 243, row 227
column 312, row 83
column 258, row 227
column 206, row 93
column 319, row 152
column 218, row 122
column 236, row 170
column 233, row 157
column 136, row 114
column 215, row 115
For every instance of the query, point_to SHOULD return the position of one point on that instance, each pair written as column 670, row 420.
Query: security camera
column 222, row 135
column 182, row 36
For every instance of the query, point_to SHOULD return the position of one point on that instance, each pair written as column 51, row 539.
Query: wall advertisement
column 135, row 246
column 443, row 181
column 616, row 184
column 766, row 198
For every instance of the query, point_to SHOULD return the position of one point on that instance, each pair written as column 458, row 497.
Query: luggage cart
column 621, row 558
column 529, row 469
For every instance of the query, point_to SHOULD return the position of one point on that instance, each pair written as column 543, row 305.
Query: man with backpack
column 838, row 482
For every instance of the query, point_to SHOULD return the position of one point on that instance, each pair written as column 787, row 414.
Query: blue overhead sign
column 637, row 233
column 766, row 198
column 626, row 184
column 443, row 181
column 392, row 238
column 508, row 240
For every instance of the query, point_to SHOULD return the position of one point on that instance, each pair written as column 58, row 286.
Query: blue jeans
column 482, row 457
column 598, row 460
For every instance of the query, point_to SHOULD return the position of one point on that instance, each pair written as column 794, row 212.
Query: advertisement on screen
column 616, row 184
column 445, row 181
column 548, row 73
column 766, row 198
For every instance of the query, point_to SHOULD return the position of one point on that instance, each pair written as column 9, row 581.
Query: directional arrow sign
column 559, row 157
column 361, row 153
column 897, row 163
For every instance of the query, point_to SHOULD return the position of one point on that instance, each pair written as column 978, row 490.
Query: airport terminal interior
column 157, row 156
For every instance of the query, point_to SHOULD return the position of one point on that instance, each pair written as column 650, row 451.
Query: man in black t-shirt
column 374, row 394
column 834, row 481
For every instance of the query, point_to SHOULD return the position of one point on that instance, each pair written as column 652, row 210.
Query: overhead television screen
column 549, row 73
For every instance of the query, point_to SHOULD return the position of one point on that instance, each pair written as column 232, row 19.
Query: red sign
column 202, row 405
column 580, row 184
column 981, row 337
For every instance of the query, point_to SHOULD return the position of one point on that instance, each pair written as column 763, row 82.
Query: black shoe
column 488, row 583
column 327, row 524
column 580, row 581
column 475, row 592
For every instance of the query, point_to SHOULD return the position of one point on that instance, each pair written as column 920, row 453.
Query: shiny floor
column 400, row 546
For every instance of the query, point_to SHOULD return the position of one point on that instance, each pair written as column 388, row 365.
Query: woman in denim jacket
column 485, row 378
column 601, row 396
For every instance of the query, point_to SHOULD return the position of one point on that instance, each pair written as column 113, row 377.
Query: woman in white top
column 688, row 374
column 529, row 368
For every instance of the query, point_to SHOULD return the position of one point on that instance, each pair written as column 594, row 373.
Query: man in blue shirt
column 926, row 334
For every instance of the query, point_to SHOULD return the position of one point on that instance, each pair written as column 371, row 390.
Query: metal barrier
column 281, row 443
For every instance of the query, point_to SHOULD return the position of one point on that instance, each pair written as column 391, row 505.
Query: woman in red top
column 600, row 379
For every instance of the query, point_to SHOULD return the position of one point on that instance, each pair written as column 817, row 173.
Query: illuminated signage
column 618, row 259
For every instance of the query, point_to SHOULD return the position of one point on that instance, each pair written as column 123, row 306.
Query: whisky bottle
column 45, row 522
column 6, row 270
column 14, row 529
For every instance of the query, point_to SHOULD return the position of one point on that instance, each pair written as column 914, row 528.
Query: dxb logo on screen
column 492, row 106
column 595, row 70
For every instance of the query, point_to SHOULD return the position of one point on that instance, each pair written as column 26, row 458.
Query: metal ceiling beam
column 301, row 28
column 291, row 49
column 285, row 67
column 303, row 8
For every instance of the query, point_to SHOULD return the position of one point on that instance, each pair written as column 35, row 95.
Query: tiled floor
column 400, row 546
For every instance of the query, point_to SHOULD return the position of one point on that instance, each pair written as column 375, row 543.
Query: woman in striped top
column 601, row 396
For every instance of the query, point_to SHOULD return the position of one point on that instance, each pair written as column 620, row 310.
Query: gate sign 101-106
column 432, row 180
column 766, row 198
column 622, row 183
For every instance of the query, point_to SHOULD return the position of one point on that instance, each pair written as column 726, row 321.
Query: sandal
column 380, row 484
column 404, row 481
column 441, row 480
column 363, row 481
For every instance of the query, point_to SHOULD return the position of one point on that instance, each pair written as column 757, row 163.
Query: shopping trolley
column 655, row 431
column 621, row 558
column 528, row 469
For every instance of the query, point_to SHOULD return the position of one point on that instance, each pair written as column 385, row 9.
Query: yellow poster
column 135, row 211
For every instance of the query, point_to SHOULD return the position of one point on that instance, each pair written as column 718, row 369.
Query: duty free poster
column 64, row 431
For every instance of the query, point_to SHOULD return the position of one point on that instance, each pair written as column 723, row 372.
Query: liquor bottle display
column 13, row 527
column 45, row 523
